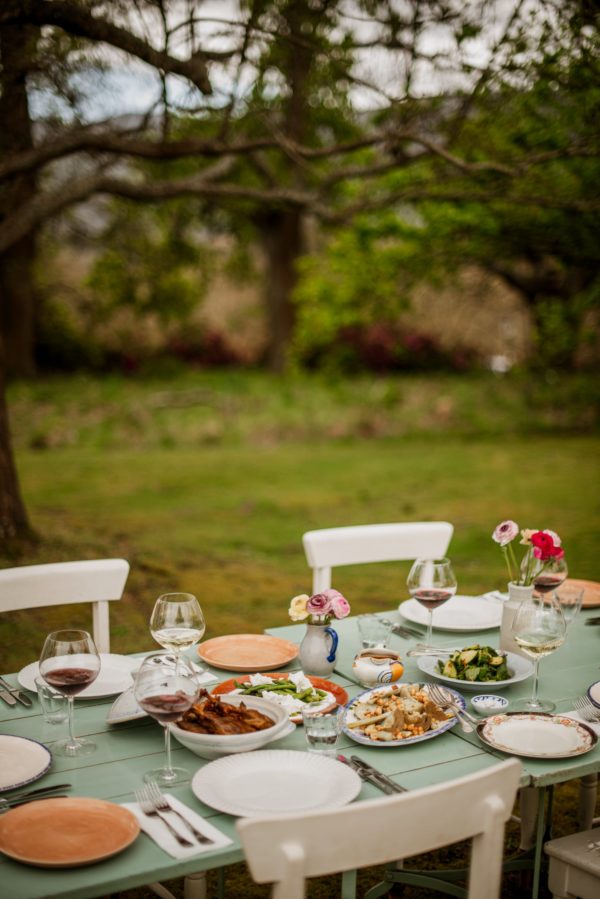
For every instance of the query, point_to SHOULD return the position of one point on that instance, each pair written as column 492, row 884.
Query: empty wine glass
column 69, row 663
column 432, row 583
column 166, row 688
column 538, row 629
column 570, row 599
column 177, row 622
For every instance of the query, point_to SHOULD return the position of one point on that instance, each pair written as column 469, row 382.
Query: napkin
column 159, row 832
column 577, row 717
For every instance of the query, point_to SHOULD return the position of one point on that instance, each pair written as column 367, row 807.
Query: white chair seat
column 574, row 868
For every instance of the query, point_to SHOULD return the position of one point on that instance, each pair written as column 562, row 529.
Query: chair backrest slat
column 286, row 849
column 356, row 545
column 98, row 581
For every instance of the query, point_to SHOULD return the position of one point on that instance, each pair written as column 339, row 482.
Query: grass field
column 206, row 483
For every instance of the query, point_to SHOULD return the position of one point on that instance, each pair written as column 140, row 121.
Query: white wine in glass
column 177, row 622
column 538, row 629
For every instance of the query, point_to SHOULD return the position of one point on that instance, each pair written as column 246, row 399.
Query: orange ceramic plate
column 66, row 833
column 319, row 683
column 591, row 592
column 247, row 652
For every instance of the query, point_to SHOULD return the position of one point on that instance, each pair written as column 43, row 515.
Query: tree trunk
column 14, row 524
column 283, row 243
column 17, row 289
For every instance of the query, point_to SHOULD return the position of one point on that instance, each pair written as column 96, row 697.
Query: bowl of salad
column 472, row 666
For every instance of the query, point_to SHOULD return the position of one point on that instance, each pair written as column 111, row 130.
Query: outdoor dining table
column 125, row 751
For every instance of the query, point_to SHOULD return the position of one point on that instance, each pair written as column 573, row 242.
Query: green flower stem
column 508, row 565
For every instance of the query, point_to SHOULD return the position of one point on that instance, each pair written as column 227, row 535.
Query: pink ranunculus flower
column 339, row 604
column 319, row 604
column 505, row 532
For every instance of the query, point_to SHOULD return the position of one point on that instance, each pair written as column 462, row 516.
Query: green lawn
column 206, row 483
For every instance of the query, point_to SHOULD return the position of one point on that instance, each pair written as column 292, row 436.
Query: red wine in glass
column 166, row 707
column 546, row 583
column 432, row 583
column 70, row 681
column 70, row 662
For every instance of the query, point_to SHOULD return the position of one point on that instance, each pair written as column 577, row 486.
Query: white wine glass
column 538, row 629
column 69, row 663
column 431, row 582
column 177, row 622
column 166, row 688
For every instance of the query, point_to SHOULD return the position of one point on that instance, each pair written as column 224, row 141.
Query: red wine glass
column 69, row 663
column 550, row 575
column 432, row 583
column 165, row 688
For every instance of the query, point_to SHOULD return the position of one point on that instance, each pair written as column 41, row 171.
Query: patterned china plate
column 537, row 735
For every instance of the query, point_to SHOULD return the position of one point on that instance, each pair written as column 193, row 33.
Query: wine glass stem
column 429, row 627
column 70, row 706
column 168, row 766
column 534, row 692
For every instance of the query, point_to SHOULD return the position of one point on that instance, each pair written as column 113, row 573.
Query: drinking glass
column 432, row 583
column 53, row 703
column 69, row 663
column 570, row 599
column 538, row 629
column 323, row 730
column 177, row 622
column 166, row 688
column 374, row 631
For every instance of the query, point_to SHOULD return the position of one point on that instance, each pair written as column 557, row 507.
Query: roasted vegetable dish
column 211, row 716
column 476, row 663
column 399, row 713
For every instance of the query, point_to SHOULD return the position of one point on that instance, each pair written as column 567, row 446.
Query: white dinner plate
column 366, row 741
column 125, row 708
column 461, row 613
column 521, row 669
column 272, row 781
column 22, row 760
column 537, row 735
column 594, row 693
column 114, row 677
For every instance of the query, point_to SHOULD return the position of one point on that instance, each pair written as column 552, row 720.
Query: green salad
column 476, row 663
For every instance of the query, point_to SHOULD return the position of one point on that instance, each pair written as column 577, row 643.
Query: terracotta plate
column 591, row 592
column 66, row 833
column 247, row 652
column 340, row 695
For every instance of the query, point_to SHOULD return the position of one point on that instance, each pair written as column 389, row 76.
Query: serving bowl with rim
column 212, row 746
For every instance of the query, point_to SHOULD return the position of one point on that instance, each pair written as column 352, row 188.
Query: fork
column 586, row 709
column 162, row 804
column 446, row 701
column 148, row 808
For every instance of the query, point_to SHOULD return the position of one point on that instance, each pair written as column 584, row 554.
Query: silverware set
column 445, row 700
column 372, row 775
column 591, row 622
column 587, row 709
column 32, row 795
column 12, row 695
column 407, row 632
column 154, row 803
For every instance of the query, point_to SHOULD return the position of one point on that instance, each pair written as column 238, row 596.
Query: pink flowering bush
column 320, row 608
column 543, row 548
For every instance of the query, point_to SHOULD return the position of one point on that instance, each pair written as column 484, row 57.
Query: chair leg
column 588, row 791
column 194, row 886
column 160, row 890
column 528, row 802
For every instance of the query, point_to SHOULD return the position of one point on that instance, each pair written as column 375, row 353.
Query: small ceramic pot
column 489, row 704
column 372, row 667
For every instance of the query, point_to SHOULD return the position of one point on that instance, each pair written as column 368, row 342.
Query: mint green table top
column 126, row 751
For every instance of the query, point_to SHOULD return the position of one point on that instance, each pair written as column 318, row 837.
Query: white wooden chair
column 98, row 581
column 285, row 850
column 331, row 547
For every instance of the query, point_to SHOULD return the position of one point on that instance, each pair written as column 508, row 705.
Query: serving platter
column 66, row 833
column 22, row 760
column 460, row 613
column 537, row 735
column 336, row 695
column 272, row 781
column 247, row 652
column 114, row 677
column 366, row 741
column 521, row 667
column 591, row 592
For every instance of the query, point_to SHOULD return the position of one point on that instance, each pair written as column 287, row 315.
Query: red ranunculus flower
column 544, row 548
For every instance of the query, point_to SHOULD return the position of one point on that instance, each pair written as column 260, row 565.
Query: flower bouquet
column 320, row 608
column 544, row 553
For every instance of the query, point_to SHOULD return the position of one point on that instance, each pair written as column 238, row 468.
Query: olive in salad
column 476, row 663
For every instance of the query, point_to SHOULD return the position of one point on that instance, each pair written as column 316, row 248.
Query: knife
column 16, row 693
column 376, row 777
column 8, row 698
column 364, row 775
